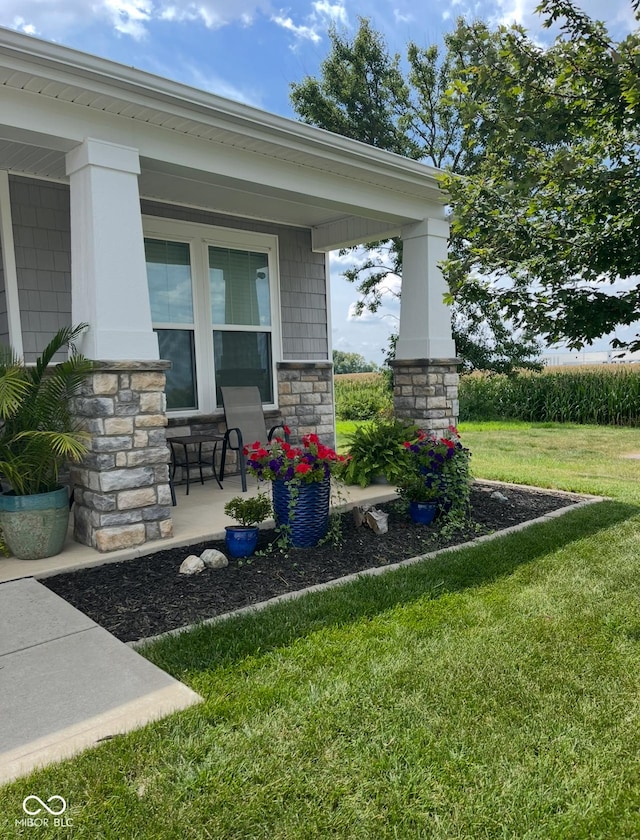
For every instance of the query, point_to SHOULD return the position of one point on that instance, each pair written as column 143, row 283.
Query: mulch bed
column 139, row 598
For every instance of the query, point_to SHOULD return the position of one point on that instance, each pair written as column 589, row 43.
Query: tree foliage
column 351, row 363
column 549, row 204
column 364, row 93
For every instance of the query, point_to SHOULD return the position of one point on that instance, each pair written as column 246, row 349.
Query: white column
column 425, row 320
column 108, row 272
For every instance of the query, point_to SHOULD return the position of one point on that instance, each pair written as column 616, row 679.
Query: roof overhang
column 199, row 149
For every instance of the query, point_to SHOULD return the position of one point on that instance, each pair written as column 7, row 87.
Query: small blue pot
column 423, row 513
column 241, row 541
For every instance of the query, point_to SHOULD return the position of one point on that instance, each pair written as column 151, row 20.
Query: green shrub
column 362, row 396
column 603, row 395
column 375, row 449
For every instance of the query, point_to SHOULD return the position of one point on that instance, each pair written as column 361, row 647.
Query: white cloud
column 129, row 16
column 315, row 24
column 402, row 17
column 335, row 12
column 213, row 13
column 54, row 19
column 302, row 32
column 22, row 25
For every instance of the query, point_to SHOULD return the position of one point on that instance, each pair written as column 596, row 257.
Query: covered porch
column 192, row 234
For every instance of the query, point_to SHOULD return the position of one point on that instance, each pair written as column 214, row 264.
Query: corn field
column 606, row 395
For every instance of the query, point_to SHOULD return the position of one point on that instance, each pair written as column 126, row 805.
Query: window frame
column 199, row 238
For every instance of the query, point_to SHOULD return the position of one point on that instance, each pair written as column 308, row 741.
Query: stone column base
column 425, row 391
column 122, row 495
column 305, row 396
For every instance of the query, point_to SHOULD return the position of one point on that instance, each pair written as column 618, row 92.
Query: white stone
column 192, row 565
column 214, row 559
column 498, row 496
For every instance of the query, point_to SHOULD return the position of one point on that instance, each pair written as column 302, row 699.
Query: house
column 191, row 233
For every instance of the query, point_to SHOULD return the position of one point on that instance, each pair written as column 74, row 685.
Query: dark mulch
column 139, row 598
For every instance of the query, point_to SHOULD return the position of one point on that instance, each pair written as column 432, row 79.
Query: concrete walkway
column 65, row 683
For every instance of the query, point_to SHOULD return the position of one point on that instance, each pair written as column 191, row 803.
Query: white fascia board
column 27, row 54
column 346, row 196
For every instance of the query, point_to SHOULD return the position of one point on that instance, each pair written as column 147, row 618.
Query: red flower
column 303, row 468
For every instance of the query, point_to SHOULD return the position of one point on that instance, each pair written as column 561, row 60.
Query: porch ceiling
column 201, row 150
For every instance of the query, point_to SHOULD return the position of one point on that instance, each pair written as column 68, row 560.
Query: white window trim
column 200, row 237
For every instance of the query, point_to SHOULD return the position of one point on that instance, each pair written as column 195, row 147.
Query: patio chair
column 244, row 417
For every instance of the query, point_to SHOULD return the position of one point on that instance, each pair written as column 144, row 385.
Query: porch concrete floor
column 196, row 517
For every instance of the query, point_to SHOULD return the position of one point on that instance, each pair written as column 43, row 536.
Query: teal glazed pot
column 35, row 526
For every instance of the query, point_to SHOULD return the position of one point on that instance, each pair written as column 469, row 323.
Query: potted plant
column 301, row 485
column 441, row 464
column 249, row 512
column 37, row 438
column 423, row 499
column 376, row 451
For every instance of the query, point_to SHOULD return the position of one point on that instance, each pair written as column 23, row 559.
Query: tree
column 363, row 93
column 551, row 208
column 351, row 363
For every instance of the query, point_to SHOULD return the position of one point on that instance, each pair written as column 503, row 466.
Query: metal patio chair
column 245, row 420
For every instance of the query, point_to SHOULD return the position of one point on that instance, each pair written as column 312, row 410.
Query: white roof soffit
column 68, row 75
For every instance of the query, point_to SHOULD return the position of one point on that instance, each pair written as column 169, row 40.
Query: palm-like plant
column 37, row 432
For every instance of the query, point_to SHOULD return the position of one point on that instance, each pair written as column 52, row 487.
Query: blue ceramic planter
column 240, row 541
column 310, row 520
column 423, row 513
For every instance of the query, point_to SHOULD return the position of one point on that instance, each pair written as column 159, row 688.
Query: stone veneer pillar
column 425, row 391
column 121, row 489
column 305, row 397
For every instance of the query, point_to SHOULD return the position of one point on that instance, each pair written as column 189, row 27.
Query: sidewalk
column 65, row 683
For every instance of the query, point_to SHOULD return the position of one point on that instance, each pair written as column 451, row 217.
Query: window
column 212, row 306
column 171, row 299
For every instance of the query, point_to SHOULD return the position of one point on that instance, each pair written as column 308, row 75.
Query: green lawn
column 491, row 693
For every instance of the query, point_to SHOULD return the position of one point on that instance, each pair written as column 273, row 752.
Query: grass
column 490, row 693
column 585, row 459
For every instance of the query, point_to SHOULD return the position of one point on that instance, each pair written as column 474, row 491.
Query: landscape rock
column 499, row 497
column 214, row 559
column 359, row 513
column 377, row 520
column 192, row 565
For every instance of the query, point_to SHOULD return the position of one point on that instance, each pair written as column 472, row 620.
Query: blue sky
column 251, row 50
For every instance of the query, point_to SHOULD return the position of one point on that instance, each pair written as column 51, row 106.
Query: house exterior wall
column 303, row 281
column 4, row 324
column 42, row 239
column 41, row 231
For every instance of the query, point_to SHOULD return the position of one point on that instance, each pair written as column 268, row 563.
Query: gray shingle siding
column 303, row 280
column 42, row 239
column 4, row 324
column 41, row 230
